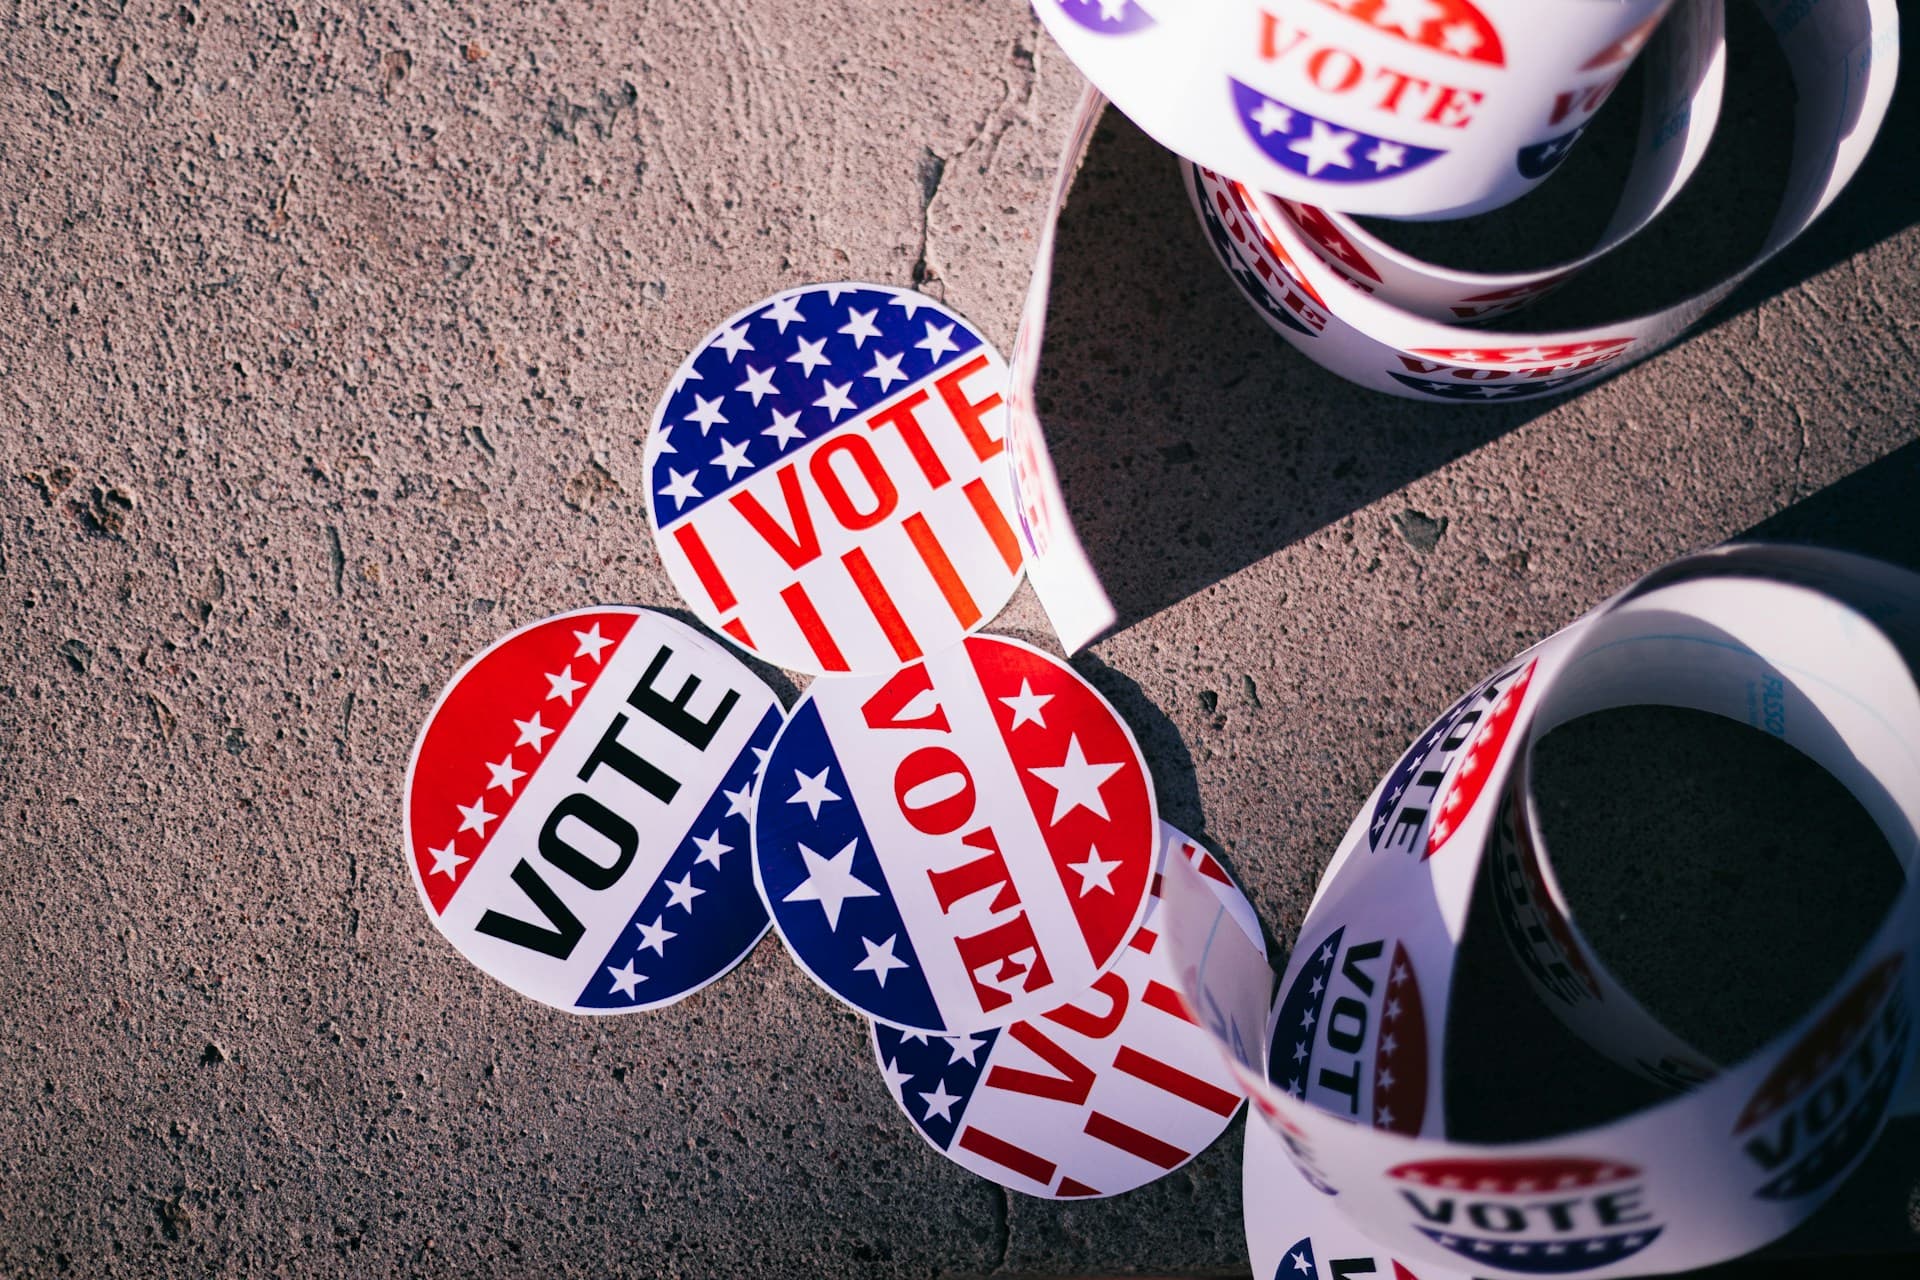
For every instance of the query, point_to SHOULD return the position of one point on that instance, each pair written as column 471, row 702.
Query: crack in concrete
column 1002, row 1221
column 933, row 168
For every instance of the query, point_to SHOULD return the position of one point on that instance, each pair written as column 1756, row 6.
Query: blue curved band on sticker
column 1319, row 149
column 834, row 908
column 703, row 912
column 1542, row 158
column 934, row 1066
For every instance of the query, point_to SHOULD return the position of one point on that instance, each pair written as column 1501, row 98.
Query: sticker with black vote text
column 578, row 809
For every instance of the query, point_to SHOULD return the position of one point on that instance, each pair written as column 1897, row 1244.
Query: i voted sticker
column 1109, row 1091
column 959, row 845
column 825, row 479
column 578, row 806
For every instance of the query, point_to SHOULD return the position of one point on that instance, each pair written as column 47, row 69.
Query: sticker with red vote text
column 1101, row 1095
column 826, row 479
column 964, row 843
column 578, row 807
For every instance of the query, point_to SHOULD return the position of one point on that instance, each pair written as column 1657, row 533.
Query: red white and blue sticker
column 1349, row 1034
column 578, row 808
column 1425, row 796
column 826, row 482
column 959, row 845
column 1109, row 1091
column 1817, row 1111
column 1540, row 1215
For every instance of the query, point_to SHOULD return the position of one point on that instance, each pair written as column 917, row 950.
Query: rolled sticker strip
column 1109, row 1091
column 1816, row 647
column 577, row 810
column 1409, row 108
column 824, row 479
column 1307, row 271
column 1843, row 54
column 959, row 845
column 1685, row 81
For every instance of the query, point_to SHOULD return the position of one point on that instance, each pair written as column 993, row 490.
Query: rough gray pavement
column 328, row 334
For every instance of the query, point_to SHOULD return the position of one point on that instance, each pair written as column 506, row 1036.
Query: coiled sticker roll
column 1843, row 57
column 1380, row 317
column 1344, row 1058
column 1685, row 82
column 1424, row 108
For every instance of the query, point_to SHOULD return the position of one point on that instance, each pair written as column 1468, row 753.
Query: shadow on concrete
column 1875, row 512
column 1190, row 440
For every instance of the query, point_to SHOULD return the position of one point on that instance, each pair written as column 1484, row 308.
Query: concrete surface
column 328, row 334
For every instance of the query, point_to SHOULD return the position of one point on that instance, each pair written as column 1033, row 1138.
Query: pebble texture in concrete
column 328, row 333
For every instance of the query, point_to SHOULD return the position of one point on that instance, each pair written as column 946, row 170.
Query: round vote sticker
column 578, row 810
column 825, row 479
column 1111, row 1090
column 958, row 845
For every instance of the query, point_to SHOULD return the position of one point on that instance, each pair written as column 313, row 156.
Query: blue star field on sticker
column 702, row 912
column 1555, row 1257
column 933, row 1077
column 1299, row 1263
column 1542, row 158
column 786, row 374
column 1503, row 389
column 1290, row 1055
column 1320, row 149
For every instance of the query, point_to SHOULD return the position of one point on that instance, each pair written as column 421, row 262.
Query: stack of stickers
column 953, row 833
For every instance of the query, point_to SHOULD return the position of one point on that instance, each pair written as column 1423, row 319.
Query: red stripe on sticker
column 880, row 601
column 1115, row 1133
column 738, row 630
column 704, row 568
column 1213, row 871
column 488, row 735
column 1400, row 1076
column 807, row 618
column 1166, row 1000
column 1006, row 1155
column 994, row 522
column 1166, row 1076
column 1143, row 939
column 1074, row 1187
column 945, row 576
